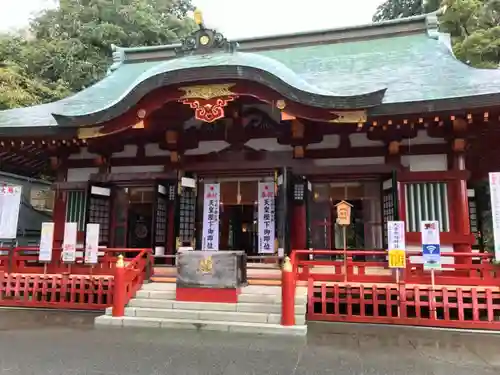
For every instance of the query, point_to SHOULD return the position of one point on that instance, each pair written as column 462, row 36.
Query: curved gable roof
column 415, row 65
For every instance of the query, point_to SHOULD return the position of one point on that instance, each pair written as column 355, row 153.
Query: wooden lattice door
column 282, row 209
column 163, row 208
column 99, row 205
column 390, row 210
column 185, row 220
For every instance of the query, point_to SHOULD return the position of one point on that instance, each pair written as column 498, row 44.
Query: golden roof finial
column 198, row 17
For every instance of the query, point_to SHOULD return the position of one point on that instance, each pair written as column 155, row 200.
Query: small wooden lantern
column 343, row 213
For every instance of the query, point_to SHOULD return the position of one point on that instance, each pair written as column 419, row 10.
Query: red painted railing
column 465, row 294
column 129, row 279
column 328, row 265
column 25, row 260
column 24, row 282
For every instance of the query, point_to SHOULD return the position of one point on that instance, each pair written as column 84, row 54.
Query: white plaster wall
column 425, row 163
column 361, row 140
column 206, row 147
column 329, row 141
column 422, row 138
column 80, row 174
column 129, row 151
column 268, row 144
column 83, row 154
column 152, row 149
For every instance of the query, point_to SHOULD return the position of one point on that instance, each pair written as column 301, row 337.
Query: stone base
column 207, row 295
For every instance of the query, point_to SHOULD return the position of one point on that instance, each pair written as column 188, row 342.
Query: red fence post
column 119, row 294
column 287, row 294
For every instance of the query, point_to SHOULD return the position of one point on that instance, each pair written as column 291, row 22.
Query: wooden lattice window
column 161, row 220
column 99, row 213
column 187, row 215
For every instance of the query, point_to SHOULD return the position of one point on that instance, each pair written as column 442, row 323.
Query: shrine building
column 382, row 116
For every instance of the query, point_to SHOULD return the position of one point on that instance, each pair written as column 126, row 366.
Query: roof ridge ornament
column 204, row 40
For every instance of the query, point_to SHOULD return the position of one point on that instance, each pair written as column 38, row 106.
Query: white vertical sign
column 211, row 201
column 266, row 218
column 396, row 235
column 431, row 244
column 46, row 242
column 10, row 200
column 92, row 243
column 495, row 210
column 69, row 243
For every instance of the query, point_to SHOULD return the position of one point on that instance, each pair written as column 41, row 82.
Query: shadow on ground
column 50, row 342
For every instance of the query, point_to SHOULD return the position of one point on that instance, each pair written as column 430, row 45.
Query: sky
column 239, row 18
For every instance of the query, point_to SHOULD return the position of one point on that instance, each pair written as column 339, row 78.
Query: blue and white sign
column 431, row 246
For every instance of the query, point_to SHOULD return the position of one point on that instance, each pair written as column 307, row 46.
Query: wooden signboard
column 343, row 213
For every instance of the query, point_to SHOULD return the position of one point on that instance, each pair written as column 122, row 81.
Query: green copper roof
column 416, row 68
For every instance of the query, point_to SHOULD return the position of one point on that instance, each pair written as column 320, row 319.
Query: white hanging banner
column 10, row 200
column 69, row 243
column 266, row 218
column 211, row 195
column 92, row 243
column 46, row 242
column 495, row 210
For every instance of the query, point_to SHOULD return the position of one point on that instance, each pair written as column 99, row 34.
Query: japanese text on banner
column 10, row 200
column 266, row 218
column 396, row 244
column 211, row 203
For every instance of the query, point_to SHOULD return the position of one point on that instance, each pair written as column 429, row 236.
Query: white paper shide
column 69, row 243
column 10, row 200
column 266, row 217
column 211, row 201
column 92, row 244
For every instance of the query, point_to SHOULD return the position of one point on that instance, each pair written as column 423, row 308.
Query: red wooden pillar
column 59, row 218
column 298, row 231
column 460, row 210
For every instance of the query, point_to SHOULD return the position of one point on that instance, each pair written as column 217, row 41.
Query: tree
column 70, row 47
column 474, row 25
column 393, row 9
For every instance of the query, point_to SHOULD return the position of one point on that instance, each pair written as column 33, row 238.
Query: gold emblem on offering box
column 206, row 265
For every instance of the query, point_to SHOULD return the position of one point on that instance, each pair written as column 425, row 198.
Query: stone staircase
column 258, row 311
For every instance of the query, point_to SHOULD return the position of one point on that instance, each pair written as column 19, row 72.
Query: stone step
column 244, row 297
column 249, row 317
column 212, row 306
column 202, row 325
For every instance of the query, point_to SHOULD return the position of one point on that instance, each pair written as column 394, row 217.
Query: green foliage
column 474, row 25
column 393, row 9
column 69, row 48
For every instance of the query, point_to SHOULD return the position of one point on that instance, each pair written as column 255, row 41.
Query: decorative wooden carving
column 459, row 145
column 297, row 129
column 298, row 152
column 348, row 117
column 205, row 40
column 208, row 101
column 394, row 148
column 459, row 124
column 174, row 157
column 171, row 137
